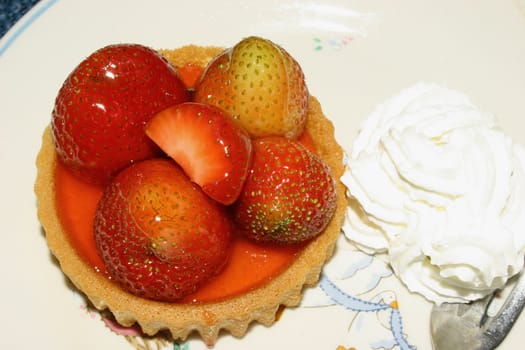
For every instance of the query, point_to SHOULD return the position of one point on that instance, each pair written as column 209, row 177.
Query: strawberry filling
column 250, row 266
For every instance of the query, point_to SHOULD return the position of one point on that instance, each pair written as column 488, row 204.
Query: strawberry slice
column 213, row 151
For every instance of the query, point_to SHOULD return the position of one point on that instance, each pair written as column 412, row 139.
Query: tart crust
column 234, row 314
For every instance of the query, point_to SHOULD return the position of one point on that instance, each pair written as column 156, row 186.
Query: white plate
column 354, row 54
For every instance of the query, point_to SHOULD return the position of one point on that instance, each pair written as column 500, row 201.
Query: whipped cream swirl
column 437, row 187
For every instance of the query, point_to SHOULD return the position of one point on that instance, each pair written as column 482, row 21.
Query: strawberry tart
column 190, row 190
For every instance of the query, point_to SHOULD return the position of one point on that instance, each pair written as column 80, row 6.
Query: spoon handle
column 498, row 327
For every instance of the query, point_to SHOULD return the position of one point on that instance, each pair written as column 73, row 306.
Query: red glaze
column 250, row 264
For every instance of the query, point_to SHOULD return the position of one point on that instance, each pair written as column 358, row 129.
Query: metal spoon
column 468, row 327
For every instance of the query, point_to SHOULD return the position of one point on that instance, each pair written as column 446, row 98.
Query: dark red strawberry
column 207, row 144
column 159, row 235
column 103, row 105
column 289, row 195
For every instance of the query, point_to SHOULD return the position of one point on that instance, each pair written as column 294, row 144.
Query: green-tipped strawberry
column 214, row 151
column 289, row 195
column 102, row 107
column 260, row 85
column 159, row 235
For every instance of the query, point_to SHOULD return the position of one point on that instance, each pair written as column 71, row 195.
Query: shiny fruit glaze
column 250, row 264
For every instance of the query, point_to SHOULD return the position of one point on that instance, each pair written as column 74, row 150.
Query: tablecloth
column 11, row 11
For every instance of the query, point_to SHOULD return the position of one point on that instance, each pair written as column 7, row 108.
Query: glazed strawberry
column 159, row 235
column 289, row 195
column 260, row 85
column 103, row 105
column 213, row 150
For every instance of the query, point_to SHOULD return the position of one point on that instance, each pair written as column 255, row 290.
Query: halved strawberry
column 159, row 235
column 289, row 195
column 207, row 144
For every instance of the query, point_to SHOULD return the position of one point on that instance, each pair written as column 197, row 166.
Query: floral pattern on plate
column 352, row 279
